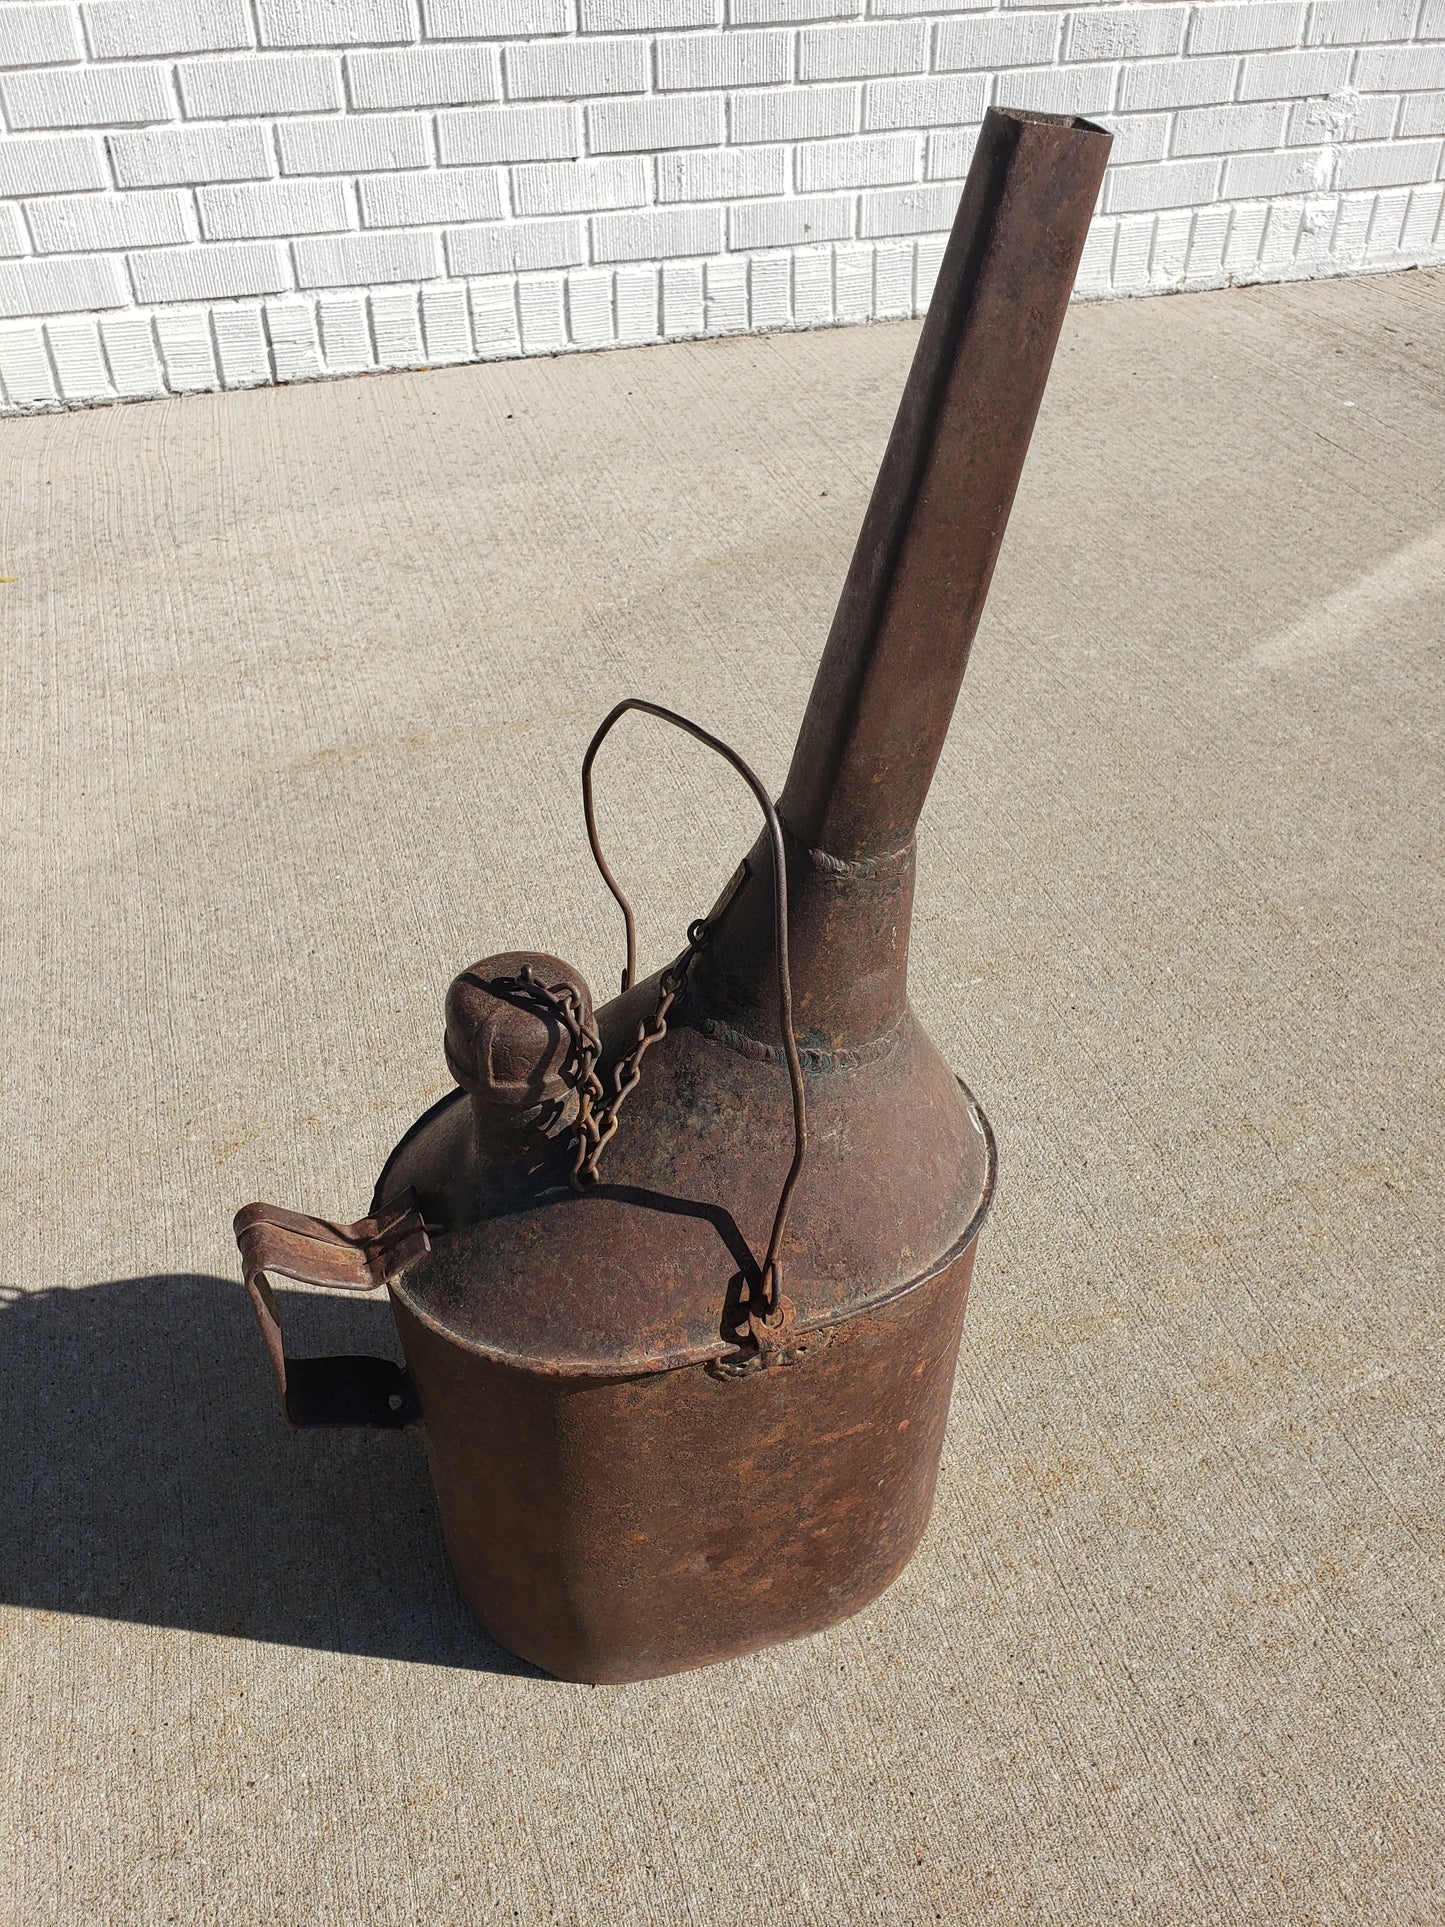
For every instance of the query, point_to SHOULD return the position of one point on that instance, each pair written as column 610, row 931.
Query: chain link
column 595, row 1124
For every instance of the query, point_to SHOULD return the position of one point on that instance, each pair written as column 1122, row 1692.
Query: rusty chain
column 595, row 1124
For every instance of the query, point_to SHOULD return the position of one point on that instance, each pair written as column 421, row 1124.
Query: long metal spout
column 890, row 675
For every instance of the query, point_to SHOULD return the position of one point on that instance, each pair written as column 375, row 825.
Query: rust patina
column 680, row 1284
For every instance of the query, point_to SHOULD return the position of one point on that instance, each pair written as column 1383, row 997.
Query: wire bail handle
column 698, row 933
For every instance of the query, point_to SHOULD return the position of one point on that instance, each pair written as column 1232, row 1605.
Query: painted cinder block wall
column 208, row 193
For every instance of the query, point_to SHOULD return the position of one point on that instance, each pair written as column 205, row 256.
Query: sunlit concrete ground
column 296, row 684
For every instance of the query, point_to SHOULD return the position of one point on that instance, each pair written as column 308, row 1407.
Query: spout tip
column 1031, row 117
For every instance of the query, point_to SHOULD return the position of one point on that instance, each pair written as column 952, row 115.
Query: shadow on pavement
column 146, row 1474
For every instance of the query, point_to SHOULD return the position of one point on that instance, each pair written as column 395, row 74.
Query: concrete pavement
column 296, row 683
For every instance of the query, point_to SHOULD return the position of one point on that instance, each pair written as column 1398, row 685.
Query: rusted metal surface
column 646, row 1455
column 649, row 1523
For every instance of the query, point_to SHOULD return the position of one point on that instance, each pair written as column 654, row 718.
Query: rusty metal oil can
column 678, row 1405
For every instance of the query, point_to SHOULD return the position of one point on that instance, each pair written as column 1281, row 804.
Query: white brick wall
column 218, row 193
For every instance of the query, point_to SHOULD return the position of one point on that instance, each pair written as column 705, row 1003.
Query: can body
column 616, row 1529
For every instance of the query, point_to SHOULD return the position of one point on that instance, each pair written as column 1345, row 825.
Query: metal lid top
column 652, row 1267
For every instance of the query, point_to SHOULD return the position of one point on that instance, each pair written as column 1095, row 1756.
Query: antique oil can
column 680, row 1282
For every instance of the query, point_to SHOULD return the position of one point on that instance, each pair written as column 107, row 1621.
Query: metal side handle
column 345, row 1389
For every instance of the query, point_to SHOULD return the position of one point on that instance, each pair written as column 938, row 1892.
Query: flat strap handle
column 346, row 1389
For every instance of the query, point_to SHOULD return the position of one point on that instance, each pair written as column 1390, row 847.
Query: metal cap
column 503, row 1046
